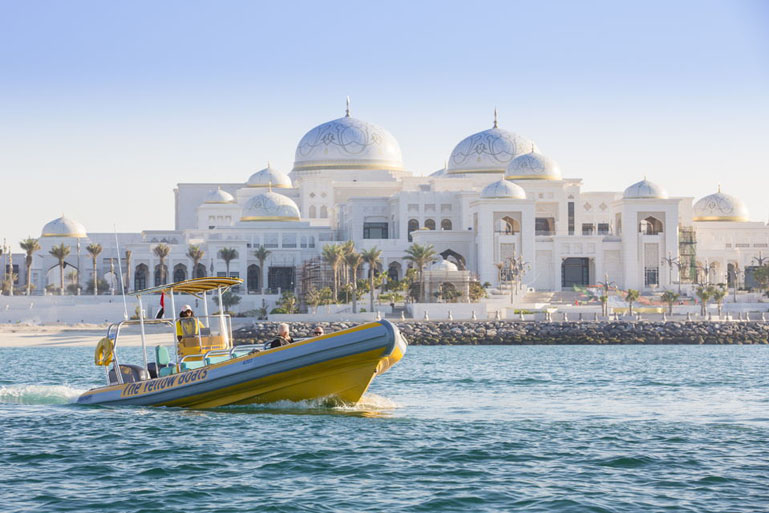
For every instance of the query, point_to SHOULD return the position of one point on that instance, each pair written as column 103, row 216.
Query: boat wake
column 370, row 405
column 38, row 394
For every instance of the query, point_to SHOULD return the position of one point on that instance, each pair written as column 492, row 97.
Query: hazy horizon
column 107, row 106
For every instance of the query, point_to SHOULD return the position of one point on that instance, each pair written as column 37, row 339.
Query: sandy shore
column 27, row 335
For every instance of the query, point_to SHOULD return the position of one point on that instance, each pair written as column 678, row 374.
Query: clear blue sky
column 105, row 106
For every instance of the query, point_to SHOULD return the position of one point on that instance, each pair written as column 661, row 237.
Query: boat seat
column 192, row 364
column 217, row 359
column 163, row 361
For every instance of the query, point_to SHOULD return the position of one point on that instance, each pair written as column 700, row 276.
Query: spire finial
column 268, row 164
column 719, row 188
column 495, row 117
column 532, row 147
column 347, row 110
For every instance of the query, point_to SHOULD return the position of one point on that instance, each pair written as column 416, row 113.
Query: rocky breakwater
column 541, row 333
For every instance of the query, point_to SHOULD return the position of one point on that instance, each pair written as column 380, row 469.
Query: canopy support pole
column 205, row 310
column 222, row 323
column 173, row 316
column 144, row 341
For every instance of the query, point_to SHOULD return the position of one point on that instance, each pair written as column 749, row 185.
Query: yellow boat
column 207, row 370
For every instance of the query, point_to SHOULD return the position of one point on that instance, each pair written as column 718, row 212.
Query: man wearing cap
column 187, row 325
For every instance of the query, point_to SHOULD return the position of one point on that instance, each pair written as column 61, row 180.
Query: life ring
column 103, row 354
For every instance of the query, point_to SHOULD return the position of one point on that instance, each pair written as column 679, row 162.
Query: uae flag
column 162, row 306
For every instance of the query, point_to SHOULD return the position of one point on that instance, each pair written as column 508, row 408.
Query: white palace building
column 499, row 197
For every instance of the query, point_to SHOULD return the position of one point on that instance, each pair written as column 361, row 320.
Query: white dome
column 645, row 190
column 270, row 206
column 533, row 166
column 444, row 265
column 503, row 189
column 269, row 177
column 489, row 151
column 720, row 207
column 348, row 143
column 219, row 196
column 440, row 172
column 64, row 227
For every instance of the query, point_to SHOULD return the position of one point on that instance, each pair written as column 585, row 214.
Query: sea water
column 504, row 428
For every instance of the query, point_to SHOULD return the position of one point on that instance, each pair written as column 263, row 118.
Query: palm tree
column 704, row 294
column 353, row 261
column 261, row 253
column 94, row 249
column 348, row 247
column 228, row 255
column 29, row 245
column 196, row 254
column 718, row 294
column 420, row 256
column 127, row 284
column 670, row 297
column 161, row 251
column 631, row 297
column 332, row 255
column 60, row 252
column 372, row 257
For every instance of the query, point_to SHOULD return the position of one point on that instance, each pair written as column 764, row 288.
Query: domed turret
column 218, row 196
column 502, row 189
column 270, row 206
column 348, row 143
column 444, row 265
column 645, row 190
column 269, row 177
column 489, row 151
column 533, row 166
column 720, row 207
column 64, row 227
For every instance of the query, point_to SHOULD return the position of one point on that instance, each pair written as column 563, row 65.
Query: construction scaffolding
column 687, row 254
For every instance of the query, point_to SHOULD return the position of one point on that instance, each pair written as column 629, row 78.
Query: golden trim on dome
column 269, row 218
column 69, row 235
column 470, row 171
column 274, row 186
column 219, row 202
column 733, row 219
column 533, row 177
column 320, row 166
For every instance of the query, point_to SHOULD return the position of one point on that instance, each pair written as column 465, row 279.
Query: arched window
column 413, row 225
column 161, row 275
column 510, row 226
column 201, row 272
column 180, row 272
column 252, row 278
column 446, row 224
column 323, row 212
column 651, row 226
column 430, row 224
column 394, row 271
column 140, row 277
column 313, row 212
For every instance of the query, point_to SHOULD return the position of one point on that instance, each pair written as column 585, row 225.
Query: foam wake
column 372, row 404
column 38, row 394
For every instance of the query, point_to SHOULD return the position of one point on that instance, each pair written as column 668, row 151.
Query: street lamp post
column 675, row 261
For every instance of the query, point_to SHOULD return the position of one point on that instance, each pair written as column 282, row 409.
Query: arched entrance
column 180, row 272
column 140, row 277
column 252, row 278
column 455, row 258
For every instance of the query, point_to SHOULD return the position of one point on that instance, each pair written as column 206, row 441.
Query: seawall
column 542, row 333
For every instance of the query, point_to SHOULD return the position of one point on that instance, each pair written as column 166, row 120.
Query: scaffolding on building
column 687, row 254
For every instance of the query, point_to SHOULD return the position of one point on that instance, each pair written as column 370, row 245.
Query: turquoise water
column 570, row 429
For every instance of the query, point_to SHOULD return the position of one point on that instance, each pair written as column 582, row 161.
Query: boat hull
column 338, row 366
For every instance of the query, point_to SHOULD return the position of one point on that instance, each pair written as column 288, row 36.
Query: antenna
column 120, row 270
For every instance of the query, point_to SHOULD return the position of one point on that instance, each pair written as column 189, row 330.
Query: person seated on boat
column 318, row 331
column 283, row 338
column 188, row 325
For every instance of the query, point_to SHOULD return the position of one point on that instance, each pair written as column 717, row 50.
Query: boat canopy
column 194, row 286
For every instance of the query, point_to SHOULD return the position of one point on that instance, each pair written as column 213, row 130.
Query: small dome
column 269, row 177
column 489, row 151
column 645, row 190
column 348, row 143
column 64, row 227
column 219, row 196
column 443, row 265
column 533, row 166
column 270, row 206
column 720, row 207
column 503, row 189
